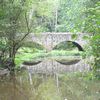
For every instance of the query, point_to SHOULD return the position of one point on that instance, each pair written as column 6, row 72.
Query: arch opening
column 73, row 52
column 29, row 54
column 68, row 45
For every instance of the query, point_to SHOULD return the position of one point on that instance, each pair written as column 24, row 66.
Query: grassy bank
column 27, row 54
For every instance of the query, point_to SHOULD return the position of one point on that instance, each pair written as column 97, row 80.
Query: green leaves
column 71, row 15
column 93, row 18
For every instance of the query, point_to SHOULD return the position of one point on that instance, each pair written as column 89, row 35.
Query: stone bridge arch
column 68, row 43
column 50, row 40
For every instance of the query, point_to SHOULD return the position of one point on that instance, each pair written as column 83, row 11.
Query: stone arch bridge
column 50, row 40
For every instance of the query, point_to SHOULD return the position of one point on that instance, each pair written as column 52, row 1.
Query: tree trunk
column 11, row 59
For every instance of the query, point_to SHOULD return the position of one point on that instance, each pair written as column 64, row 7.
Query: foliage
column 95, row 44
column 14, row 13
column 17, row 21
column 31, row 55
column 67, row 45
column 28, row 54
column 93, row 26
column 65, row 53
column 33, row 45
column 44, row 15
column 20, row 17
column 71, row 15
column 92, row 23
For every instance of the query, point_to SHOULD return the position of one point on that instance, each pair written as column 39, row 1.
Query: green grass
column 31, row 54
column 64, row 53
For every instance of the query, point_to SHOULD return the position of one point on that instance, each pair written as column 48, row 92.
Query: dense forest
column 19, row 18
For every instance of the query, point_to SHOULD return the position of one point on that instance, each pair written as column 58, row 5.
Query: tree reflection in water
column 47, row 87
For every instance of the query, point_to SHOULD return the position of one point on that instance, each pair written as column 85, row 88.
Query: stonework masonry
column 50, row 40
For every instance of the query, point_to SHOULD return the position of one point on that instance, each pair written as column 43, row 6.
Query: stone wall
column 50, row 40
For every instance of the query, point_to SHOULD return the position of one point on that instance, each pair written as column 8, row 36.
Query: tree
column 71, row 16
column 18, row 18
column 14, row 27
column 46, row 15
column 92, row 26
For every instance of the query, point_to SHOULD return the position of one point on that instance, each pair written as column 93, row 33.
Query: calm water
column 24, row 86
column 42, row 82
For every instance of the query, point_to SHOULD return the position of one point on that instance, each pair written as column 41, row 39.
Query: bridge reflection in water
column 51, row 66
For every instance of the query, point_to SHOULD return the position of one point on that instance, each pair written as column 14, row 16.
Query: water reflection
column 47, row 87
column 10, row 90
column 23, row 86
column 55, row 65
column 70, row 60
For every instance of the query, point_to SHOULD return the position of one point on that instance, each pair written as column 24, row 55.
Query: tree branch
column 28, row 32
column 28, row 29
